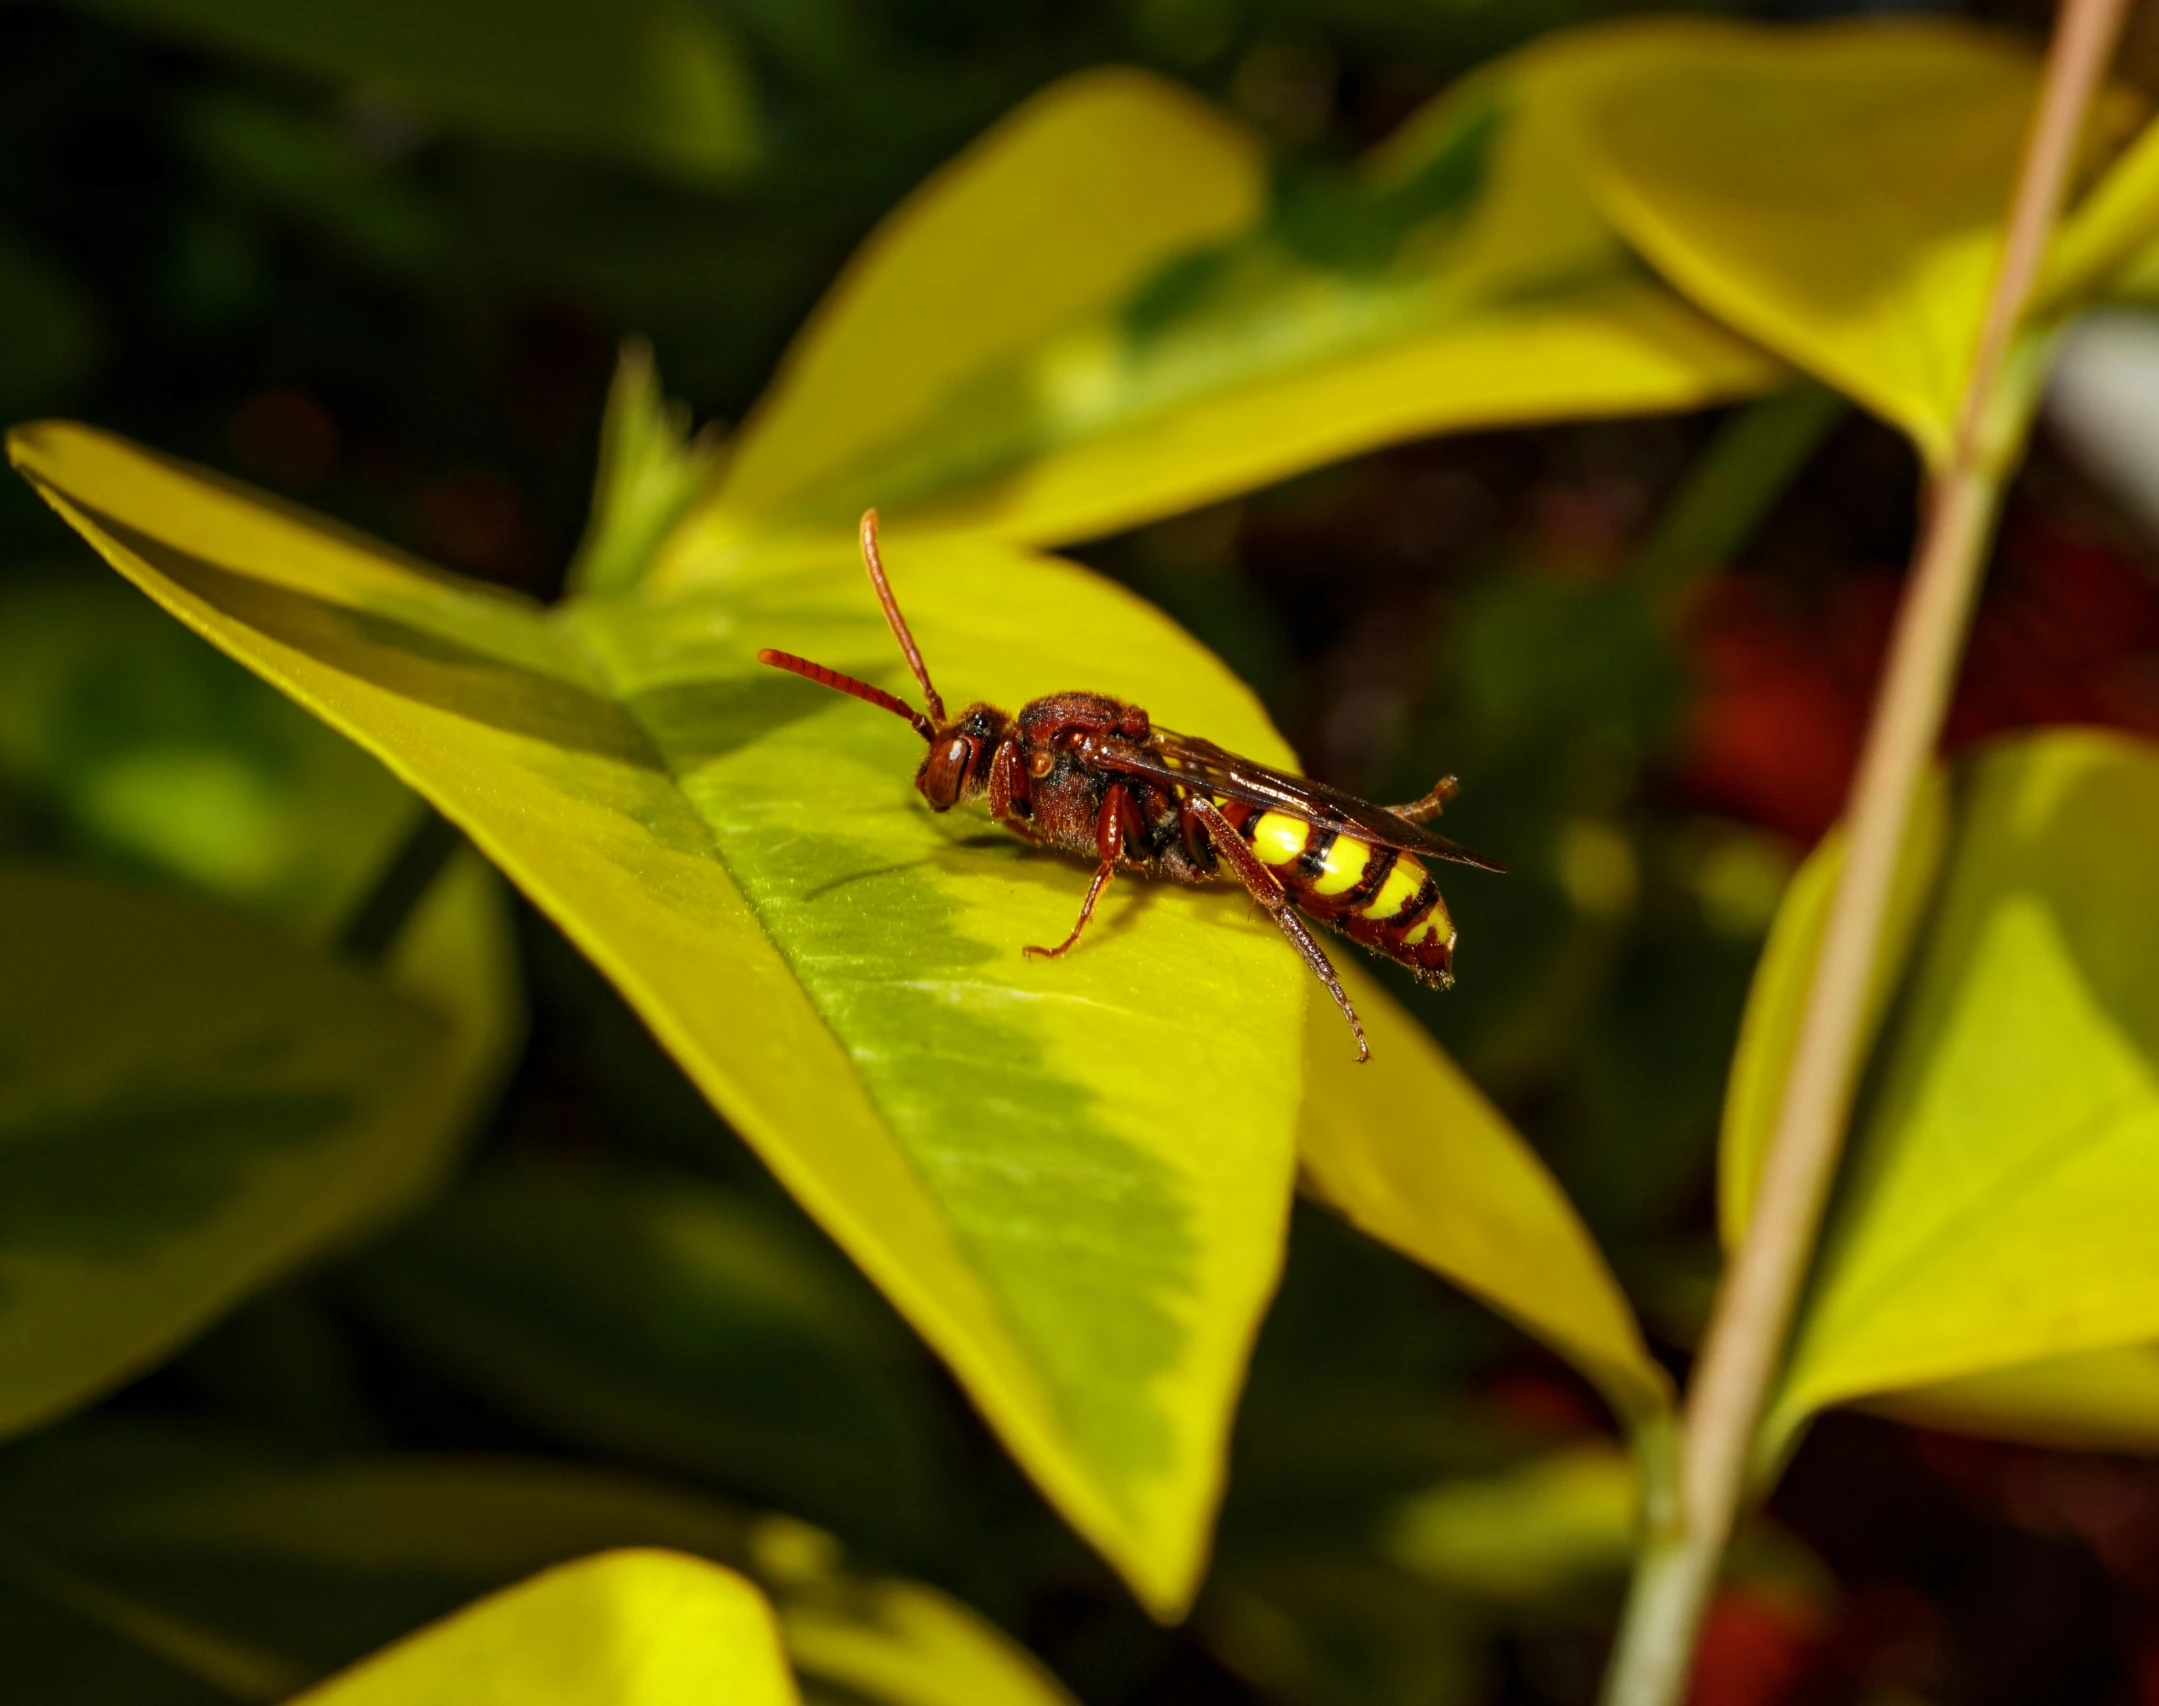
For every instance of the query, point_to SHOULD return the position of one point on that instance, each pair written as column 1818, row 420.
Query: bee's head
column 957, row 765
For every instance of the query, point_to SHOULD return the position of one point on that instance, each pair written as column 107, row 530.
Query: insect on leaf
column 1071, row 1177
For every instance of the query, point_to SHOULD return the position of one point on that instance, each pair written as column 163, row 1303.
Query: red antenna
column 847, row 684
column 872, row 561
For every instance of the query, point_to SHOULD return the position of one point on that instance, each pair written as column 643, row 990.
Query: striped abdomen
column 1379, row 896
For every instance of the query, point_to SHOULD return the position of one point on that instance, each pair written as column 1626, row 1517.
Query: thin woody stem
column 1755, row 1305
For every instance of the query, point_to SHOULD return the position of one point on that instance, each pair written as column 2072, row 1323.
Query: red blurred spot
column 285, row 437
column 1754, row 1651
column 1537, row 1403
column 2068, row 632
column 476, row 520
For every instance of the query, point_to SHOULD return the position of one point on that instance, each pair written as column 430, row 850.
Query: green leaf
column 317, row 1562
column 651, row 470
column 652, row 82
column 2001, row 1190
column 1528, row 1534
column 1409, row 1151
column 1099, row 314
column 654, row 1315
column 147, row 749
column 1070, row 1176
column 634, row 1628
column 1836, row 193
column 189, row 1105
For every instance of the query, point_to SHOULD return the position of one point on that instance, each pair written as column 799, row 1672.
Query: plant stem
column 1755, row 1304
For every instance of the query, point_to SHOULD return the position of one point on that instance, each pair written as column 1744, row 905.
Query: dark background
column 413, row 331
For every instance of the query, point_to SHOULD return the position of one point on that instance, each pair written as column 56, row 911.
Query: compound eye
column 944, row 770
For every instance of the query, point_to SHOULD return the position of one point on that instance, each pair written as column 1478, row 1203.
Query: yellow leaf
column 2103, row 1400
column 1408, row 1150
column 1835, row 192
column 358, row 1543
column 622, row 1629
column 838, row 970
column 1097, row 315
column 1996, row 1216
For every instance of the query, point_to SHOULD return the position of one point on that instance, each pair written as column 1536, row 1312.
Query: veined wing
column 1190, row 762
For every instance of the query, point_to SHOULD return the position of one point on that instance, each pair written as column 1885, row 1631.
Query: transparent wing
column 1190, row 762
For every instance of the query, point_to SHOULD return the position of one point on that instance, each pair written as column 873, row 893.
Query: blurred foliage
column 348, row 258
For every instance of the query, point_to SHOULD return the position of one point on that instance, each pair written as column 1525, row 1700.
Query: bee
column 1091, row 775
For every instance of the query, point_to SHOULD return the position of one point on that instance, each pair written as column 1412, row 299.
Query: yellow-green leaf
column 1070, row 1176
column 2005, row 1177
column 1098, row 314
column 1529, row 1533
column 652, row 468
column 314, row 1562
column 189, row 1106
column 1408, row 1149
column 638, row 1628
column 1776, row 1002
column 652, row 82
column 1835, row 192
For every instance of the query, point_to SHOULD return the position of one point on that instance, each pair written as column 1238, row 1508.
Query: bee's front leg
column 1117, row 816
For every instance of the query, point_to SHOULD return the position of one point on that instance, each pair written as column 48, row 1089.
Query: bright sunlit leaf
column 1994, row 1227
column 190, row 1105
column 1835, row 192
column 318, row 1562
column 1070, row 1176
column 635, row 1628
column 1410, row 1152
column 1102, row 313
column 652, row 468
column 656, row 83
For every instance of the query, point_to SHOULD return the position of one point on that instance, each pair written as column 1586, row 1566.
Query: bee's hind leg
column 1417, row 811
column 1261, row 884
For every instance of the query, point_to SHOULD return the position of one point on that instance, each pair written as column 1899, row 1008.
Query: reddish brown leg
column 1110, row 823
column 1011, row 801
column 1261, row 884
column 1433, row 803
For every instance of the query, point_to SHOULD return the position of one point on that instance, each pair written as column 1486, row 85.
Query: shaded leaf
column 2005, row 1174
column 143, row 746
column 836, row 969
column 652, row 82
column 1099, row 314
column 639, row 1628
column 322, row 1561
column 189, row 1105
column 653, row 1315
column 1835, row 192
column 1528, row 1534
column 1409, row 1150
